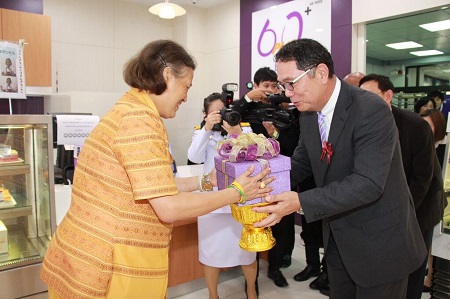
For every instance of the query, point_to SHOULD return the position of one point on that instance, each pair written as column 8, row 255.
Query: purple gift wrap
column 280, row 167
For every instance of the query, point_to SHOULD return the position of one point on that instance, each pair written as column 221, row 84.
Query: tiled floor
column 232, row 285
column 234, row 288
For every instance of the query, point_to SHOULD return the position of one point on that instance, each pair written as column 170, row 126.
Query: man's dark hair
column 384, row 83
column 307, row 53
column 265, row 74
column 436, row 94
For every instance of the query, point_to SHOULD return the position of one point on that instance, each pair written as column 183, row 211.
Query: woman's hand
column 213, row 177
column 211, row 119
column 251, row 185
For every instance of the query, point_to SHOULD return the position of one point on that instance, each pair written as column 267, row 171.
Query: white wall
column 91, row 41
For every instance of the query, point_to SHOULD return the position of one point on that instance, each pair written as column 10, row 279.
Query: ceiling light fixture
column 436, row 26
column 404, row 45
column 167, row 10
column 427, row 53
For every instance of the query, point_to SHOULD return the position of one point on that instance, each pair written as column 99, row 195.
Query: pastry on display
column 12, row 157
column 5, row 195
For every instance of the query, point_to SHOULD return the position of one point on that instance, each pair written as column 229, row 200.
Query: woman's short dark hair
column 145, row 70
column 211, row 98
column 307, row 53
column 422, row 102
column 439, row 123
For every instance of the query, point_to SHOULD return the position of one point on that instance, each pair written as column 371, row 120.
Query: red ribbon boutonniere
column 327, row 149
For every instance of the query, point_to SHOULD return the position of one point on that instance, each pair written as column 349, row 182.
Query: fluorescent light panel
column 436, row 26
column 404, row 45
column 427, row 53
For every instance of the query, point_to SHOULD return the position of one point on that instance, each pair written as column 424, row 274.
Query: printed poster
column 12, row 74
column 275, row 26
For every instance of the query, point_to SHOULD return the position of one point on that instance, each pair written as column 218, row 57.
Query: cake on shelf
column 13, row 157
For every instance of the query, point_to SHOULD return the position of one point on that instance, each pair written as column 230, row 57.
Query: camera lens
column 233, row 118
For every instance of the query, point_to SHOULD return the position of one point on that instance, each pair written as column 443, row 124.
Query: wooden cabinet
column 36, row 31
column 183, row 253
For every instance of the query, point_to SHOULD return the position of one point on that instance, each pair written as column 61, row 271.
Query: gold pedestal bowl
column 252, row 238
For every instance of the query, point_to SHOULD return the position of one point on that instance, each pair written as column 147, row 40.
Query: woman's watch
column 204, row 184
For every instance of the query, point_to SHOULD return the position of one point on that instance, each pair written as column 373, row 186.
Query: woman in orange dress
column 114, row 240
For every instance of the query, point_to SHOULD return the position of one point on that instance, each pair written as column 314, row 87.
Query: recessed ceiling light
column 427, row 53
column 436, row 26
column 404, row 45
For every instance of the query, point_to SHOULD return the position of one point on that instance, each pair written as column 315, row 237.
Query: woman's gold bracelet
column 239, row 189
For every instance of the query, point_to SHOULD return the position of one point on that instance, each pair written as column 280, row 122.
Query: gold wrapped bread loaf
column 6, row 194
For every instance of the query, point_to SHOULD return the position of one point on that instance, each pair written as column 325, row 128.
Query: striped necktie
column 322, row 127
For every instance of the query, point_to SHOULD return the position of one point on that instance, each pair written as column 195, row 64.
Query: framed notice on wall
column 12, row 75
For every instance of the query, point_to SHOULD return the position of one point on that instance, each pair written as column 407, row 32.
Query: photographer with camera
column 256, row 100
column 219, row 226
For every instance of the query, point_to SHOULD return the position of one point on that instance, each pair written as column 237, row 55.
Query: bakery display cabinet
column 27, row 197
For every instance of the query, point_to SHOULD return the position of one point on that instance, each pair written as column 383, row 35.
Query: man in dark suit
column 422, row 169
column 372, row 238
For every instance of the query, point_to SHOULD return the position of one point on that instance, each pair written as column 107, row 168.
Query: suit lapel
column 340, row 117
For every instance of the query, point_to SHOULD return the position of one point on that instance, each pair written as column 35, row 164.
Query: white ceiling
column 198, row 3
column 407, row 29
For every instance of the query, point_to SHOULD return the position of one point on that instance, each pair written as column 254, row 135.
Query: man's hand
column 282, row 204
column 270, row 128
column 257, row 95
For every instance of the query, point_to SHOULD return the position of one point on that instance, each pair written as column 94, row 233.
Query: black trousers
column 416, row 278
column 343, row 287
column 313, row 238
column 284, row 234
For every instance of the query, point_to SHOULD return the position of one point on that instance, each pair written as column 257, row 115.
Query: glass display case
column 440, row 247
column 27, row 219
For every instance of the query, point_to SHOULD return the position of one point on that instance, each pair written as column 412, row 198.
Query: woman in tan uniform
column 113, row 242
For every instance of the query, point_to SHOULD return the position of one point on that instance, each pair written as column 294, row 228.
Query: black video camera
column 277, row 98
column 280, row 117
column 233, row 118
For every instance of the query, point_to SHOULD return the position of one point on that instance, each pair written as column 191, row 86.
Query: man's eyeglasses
column 290, row 85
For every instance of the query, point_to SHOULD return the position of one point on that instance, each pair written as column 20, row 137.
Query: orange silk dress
column 111, row 243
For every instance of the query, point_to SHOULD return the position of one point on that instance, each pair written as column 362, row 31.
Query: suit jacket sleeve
column 241, row 106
